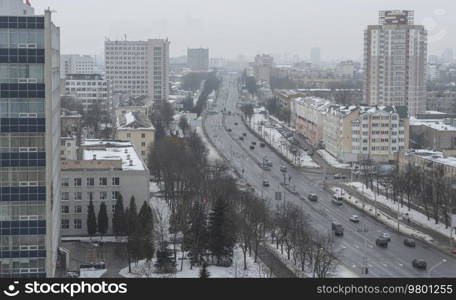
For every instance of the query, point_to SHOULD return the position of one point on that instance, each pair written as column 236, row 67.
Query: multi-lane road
column 358, row 243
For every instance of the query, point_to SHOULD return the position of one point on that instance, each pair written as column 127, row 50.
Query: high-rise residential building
column 315, row 55
column 140, row 68
column 76, row 64
column 262, row 67
column 198, row 59
column 395, row 54
column 89, row 90
column 29, row 141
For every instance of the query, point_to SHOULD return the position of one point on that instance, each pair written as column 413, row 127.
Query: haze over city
column 236, row 27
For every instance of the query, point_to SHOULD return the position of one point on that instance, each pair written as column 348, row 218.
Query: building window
column 77, row 182
column 115, row 181
column 89, row 196
column 90, row 181
column 143, row 144
column 65, row 182
column 65, row 224
column 65, row 196
column 78, row 209
column 65, row 209
column 128, row 135
column 103, row 181
column 115, row 195
column 77, row 223
column 78, row 196
column 103, row 195
column 143, row 135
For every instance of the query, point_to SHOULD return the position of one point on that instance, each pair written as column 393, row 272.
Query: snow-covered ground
column 332, row 160
column 414, row 215
column 276, row 140
column 91, row 273
column 254, row 270
column 381, row 216
column 213, row 155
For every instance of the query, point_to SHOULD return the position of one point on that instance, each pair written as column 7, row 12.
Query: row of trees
column 209, row 215
column 423, row 188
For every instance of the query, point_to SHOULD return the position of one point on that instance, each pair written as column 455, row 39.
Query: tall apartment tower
column 198, row 59
column 395, row 55
column 29, row 141
column 140, row 68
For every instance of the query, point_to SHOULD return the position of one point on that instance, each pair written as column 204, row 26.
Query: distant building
column 432, row 164
column 89, row 90
column 262, row 67
column 345, row 70
column 395, row 54
column 107, row 169
column 442, row 101
column 76, row 64
column 136, row 127
column 140, row 68
column 198, row 59
column 71, row 123
column 68, row 148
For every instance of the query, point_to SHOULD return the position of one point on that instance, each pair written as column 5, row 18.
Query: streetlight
column 436, row 266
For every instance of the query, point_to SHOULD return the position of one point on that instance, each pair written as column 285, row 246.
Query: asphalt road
column 358, row 241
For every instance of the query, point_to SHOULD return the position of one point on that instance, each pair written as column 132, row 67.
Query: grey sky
column 232, row 27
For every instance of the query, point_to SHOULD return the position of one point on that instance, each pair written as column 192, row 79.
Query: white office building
column 140, row 68
column 89, row 90
column 76, row 64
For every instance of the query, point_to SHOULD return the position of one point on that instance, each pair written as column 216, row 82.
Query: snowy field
column 332, row 160
column 414, row 215
column 382, row 217
column 213, row 155
column 91, row 273
column 254, row 270
column 276, row 140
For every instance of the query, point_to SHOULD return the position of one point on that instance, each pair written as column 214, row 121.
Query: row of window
column 90, row 181
column 77, row 196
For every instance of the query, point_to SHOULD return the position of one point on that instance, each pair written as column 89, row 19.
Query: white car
column 385, row 236
column 354, row 219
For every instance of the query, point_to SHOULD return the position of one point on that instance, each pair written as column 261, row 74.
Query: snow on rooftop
column 113, row 150
column 437, row 124
column 129, row 118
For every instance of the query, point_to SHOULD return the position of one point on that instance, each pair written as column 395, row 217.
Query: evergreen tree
column 134, row 232
column 222, row 230
column 118, row 219
column 147, row 229
column 196, row 236
column 165, row 262
column 102, row 219
column 91, row 219
column 204, row 273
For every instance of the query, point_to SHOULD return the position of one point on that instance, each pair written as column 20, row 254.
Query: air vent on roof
column 94, row 157
column 131, row 163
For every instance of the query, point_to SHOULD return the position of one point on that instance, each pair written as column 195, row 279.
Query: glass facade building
column 29, row 137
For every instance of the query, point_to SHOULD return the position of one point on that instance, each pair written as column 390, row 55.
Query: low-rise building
column 89, row 90
column 435, row 134
column 68, row 148
column 108, row 168
column 136, row 128
column 443, row 101
column 431, row 163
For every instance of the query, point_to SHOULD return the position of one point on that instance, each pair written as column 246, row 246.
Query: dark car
column 253, row 143
column 244, row 134
column 266, row 183
column 252, row 147
column 262, row 145
column 312, row 197
column 230, row 130
column 381, row 242
column 410, row 243
column 419, row 264
column 236, row 123
column 241, row 138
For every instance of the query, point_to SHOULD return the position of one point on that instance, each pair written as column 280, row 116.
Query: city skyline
column 233, row 31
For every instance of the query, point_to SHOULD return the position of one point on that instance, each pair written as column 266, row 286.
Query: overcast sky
column 248, row 27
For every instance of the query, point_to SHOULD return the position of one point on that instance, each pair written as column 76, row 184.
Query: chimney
column 128, row 156
column 94, row 157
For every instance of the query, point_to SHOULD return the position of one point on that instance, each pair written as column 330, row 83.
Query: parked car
column 266, row 183
column 262, row 145
column 338, row 229
column 269, row 163
column 382, row 242
column 230, row 130
column 254, row 143
column 410, row 243
column 338, row 200
column 312, row 197
column 244, row 134
column 386, row 236
column 236, row 123
column 419, row 264
column 354, row 219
